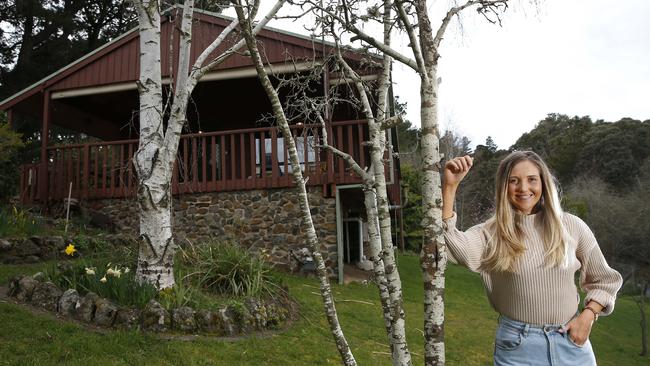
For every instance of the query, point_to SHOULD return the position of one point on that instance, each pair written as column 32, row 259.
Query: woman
column 527, row 255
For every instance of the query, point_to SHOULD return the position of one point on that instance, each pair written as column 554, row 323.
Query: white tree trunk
column 433, row 257
column 377, row 146
column 312, row 239
column 157, row 148
column 401, row 354
column 374, row 237
column 151, row 161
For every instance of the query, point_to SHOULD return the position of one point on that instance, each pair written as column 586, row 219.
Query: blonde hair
column 506, row 245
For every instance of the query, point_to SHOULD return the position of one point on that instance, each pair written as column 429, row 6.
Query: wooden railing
column 206, row 162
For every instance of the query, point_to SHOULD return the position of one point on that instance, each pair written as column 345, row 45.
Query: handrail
column 199, row 134
column 254, row 158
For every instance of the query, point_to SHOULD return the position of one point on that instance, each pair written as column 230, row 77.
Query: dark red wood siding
column 120, row 63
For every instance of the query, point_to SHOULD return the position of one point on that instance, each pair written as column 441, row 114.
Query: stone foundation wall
column 265, row 221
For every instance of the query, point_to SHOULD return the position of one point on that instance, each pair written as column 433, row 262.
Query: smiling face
column 524, row 186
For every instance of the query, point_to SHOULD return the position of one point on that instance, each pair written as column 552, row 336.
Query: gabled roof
column 118, row 61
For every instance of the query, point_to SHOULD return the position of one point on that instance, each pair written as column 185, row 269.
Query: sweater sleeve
column 466, row 248
column 597, row 279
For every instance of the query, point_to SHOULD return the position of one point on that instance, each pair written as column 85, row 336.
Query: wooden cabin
column 230, row 179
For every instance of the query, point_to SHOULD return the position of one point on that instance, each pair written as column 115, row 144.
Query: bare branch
column 347, row 23
column 198, row 70
column 414, row 44
column 484, row 7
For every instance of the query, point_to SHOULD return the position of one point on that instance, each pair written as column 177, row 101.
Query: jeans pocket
column 508, row 338
column 574, row 344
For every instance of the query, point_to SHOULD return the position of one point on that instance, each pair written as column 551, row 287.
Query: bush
column 10, row 145
column 228, row 269
column 19, row 222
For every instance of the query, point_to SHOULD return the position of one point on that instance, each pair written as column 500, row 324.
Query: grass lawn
column 27, row 339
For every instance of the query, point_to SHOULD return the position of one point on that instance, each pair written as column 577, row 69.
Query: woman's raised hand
column 456, row 169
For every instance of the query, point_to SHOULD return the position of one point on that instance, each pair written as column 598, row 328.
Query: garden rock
column 127, row 318
column 46, row 295
column 68, row 301
column 10, row 259
column 26, row 248
column 229, row 320
column 105, row 312
column 65, row 268
column 209, row 321
column 55, row 242
column 31, row 259
column 275, row 315
column 5, row 245
column 50, row 247
column 26, row 286
column 155, row 317
column 183, row 319
column 14, row 286
column 101, row 220
column 255, row 316
column 85, row 308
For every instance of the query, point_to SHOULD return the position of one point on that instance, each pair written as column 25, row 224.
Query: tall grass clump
column 19, row 222
column 229, row 270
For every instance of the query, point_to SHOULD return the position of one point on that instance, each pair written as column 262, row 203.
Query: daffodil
column 90, row 271
column 127, row 270
column 114, row 272
column 70, row 250
column 103, row 279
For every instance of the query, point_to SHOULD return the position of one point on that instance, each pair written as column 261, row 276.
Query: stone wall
column 31, row 250
column 265, row 221
column 227, row 320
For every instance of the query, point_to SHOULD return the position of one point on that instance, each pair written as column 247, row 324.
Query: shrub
column 228, row 269
column 19, row 222
column 10, row 144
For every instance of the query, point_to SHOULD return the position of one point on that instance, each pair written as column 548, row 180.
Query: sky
column 575, row 57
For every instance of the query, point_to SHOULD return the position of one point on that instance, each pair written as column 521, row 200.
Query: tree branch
column 414, row 44
column 484, row 6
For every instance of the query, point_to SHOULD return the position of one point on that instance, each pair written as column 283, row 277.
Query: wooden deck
column 206, row 162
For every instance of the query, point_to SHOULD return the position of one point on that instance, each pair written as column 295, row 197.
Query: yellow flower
column 69, row 250
column 103, row 279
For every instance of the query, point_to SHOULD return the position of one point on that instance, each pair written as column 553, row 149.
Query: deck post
column 10, row 118
column 43, row 182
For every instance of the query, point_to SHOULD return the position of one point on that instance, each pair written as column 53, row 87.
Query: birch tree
column 376, row 200
column 158, row 141
column 374, row 181
column 413, row 18
column 245, row 12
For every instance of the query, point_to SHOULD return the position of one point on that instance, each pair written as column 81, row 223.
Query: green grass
column 27, row 339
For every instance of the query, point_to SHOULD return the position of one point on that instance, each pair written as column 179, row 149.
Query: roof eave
column 42, row 84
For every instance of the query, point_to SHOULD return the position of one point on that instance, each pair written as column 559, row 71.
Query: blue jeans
column 519, row 344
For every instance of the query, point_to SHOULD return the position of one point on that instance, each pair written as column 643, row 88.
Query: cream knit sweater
column 534, row 294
